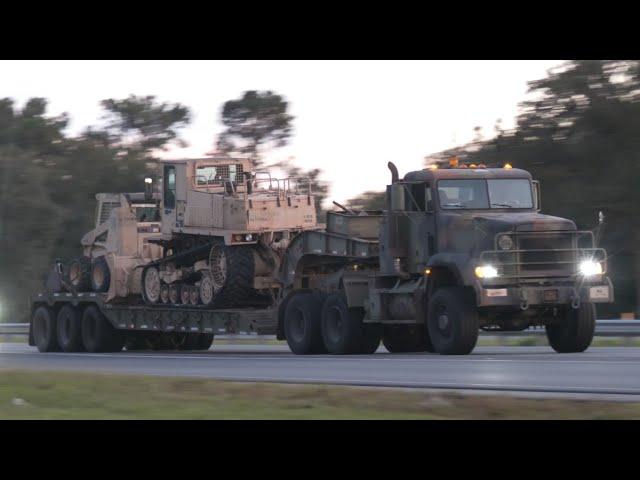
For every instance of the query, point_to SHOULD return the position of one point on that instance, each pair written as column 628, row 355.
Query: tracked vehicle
column 224, row 228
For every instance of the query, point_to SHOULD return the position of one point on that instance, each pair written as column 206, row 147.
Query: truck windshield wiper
column 502, row 205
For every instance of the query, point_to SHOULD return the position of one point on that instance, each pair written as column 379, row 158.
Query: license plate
column 599, row 293
column 550, row 295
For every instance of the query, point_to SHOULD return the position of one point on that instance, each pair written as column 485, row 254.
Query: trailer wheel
column 205, row 340
column 406, row 338
column 136, row 341
column 151, row 285
column 452, row 321
column 44, row 330
column 78, row 274
column 343, row 331
column 98, row 335
column 574, row 332
column 100, row 275
column 302, row 324
column 68, row 329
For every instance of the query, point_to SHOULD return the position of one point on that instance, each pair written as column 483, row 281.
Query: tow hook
column 524, row 303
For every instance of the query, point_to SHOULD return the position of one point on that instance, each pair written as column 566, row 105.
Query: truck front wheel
column 302, row 324
column 452, row 321
column 573, row 331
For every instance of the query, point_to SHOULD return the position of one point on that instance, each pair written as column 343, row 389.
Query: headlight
column 486, row 271
column 505, row 242
column 248, row 237
column 589, row 268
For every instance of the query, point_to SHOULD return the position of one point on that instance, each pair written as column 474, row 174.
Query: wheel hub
column 152, row 284
column 443, row 321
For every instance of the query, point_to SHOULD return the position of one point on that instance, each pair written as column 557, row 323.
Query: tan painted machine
column 118, row 245
column 224, row 228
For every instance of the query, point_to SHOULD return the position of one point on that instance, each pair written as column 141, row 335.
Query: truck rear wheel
column 100, row 275
column 452, row 321
column 68, row 329
column 98, row 335
column 45, row 334
column 302, row 324
column 343, row 330
column 573, row 332
column 196, row 341
column 406, row 338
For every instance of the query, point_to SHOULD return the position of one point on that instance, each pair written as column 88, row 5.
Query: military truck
column 457, row 250
column 224, row 229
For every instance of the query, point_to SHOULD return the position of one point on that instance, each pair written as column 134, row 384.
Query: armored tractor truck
column 455, row 251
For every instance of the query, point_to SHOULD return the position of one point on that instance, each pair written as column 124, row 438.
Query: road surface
column 603, row 371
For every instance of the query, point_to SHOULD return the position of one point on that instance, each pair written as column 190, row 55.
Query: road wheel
column 78, row 274
column 100, row 275
column 302, row 324
column 207, row 289
column 194, row 295
column 343, row 331
column 98, row 335
column 174, row 293
column 185, row 294
column 45, row 334
column 68, row 329
column 151, row 285
column 573, row 331
column 406, row 338
column 164, row 293
column 452, row 321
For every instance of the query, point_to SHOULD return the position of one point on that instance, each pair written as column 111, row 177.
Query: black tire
column 372, row 333
column 162, row 341
column 302, row 324
column 406, row 338
column 69, row 329
column 78, row 274
column 573, row 332
column 205, row 340
column 98, row 335
column 45, row 335
column 452, row 321
column 100, row 275
column 238, row 284
column 343, row 331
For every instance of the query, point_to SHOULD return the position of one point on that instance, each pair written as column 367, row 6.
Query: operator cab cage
column 227, row 176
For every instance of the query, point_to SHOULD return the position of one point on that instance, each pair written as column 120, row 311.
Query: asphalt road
column 603, row 371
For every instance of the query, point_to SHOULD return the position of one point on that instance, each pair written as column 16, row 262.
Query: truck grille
column 537, row 255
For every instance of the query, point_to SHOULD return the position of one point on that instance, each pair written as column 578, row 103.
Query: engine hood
column 468, row 232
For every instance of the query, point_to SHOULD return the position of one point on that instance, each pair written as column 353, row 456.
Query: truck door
column 421, row 239
column 169, row 199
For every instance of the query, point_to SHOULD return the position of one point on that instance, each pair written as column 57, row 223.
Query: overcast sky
column 351, row 117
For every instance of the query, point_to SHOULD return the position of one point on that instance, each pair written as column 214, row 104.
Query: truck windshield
column 147, row 214
column 484, row 194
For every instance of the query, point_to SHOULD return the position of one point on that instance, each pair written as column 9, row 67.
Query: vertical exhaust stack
column 394, row 172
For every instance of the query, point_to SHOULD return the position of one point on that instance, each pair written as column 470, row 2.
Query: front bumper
column 548, row 295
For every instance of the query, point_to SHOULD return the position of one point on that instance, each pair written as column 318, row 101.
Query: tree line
column 579, row 134
column 48, row 179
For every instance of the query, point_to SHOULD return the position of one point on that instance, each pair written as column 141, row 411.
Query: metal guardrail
column 604, row 328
